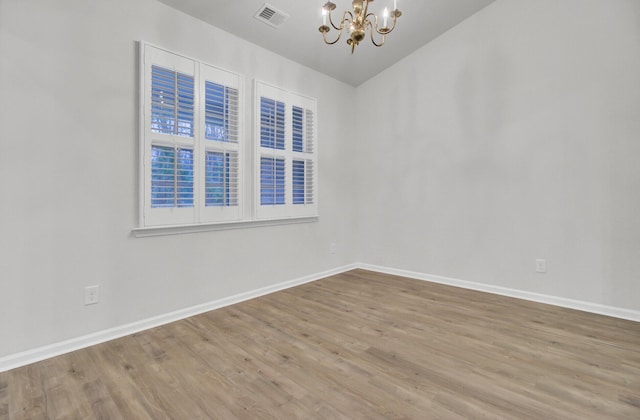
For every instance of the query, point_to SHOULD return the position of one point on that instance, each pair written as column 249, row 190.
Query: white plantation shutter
column 168, row 148
column 298, row 186
column 171, row 102
column 309, row 183
column 191, row 141
column 172, row 99
column 221, row 145
column 303, row 134
column 221, row 113
column 307, row 176
column 272, row 180
column 272, row 124
column 221, row 179
column 303, row 181
column 310, row 131
column 171, row 177
column 285, row 153
column 273, row 154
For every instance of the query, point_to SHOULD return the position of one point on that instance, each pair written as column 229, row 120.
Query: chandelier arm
column 367, row 19
column 374, row 41
column 324, row 36
column 344, row 18
column 368, row 24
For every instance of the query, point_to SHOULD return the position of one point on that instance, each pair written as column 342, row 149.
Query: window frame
column 200, row 218
column 151, row 217
column 291, row 99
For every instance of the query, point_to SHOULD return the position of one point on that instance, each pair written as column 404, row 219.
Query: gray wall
column 68, row 174
column 512, row 137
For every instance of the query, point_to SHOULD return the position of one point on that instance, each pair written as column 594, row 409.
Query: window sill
column 145, row 232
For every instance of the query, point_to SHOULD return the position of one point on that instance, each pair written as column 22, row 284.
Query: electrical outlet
column 332, row 248
column 91, row 295
column 541, row 266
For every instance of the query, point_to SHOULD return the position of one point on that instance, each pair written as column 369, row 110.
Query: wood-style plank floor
column 359, row 345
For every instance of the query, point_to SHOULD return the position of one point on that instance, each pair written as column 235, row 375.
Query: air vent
column 271, row 16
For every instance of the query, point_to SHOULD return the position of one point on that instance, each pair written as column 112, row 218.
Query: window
column 192, row 148
column 285, row 153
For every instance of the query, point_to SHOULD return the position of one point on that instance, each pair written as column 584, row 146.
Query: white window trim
column 210, row 227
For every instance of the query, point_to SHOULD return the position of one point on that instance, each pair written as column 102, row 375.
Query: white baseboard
column 41, row 353
column 13, row 361
column 520, row 294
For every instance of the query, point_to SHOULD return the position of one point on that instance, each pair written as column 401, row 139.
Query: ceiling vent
column 271, row 16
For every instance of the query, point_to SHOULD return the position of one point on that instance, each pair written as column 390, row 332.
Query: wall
column 512, row 137
column 68, row 174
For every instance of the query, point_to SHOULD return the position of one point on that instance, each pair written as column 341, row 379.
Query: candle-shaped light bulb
column 385, row 15
column 324, row 16
column 395, row 4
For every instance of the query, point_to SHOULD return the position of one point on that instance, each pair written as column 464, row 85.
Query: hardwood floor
column 355, row 345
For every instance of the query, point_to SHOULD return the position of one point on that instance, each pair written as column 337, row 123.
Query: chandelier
column 358, row 22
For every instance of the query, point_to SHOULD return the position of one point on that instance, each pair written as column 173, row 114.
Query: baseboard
column 596, row 308
column 41, row 353
column 45, row 352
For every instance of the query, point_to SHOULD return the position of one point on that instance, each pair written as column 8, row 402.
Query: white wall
column 514, row 136
column 68, row 174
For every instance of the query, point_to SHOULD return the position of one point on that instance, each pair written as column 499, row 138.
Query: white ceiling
column 298, row 37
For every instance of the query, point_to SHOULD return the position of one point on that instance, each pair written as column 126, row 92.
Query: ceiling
column 298, row 37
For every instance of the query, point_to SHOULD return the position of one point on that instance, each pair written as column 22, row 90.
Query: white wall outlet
column 91, row 295
column 332, row 248
column 541, row 266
